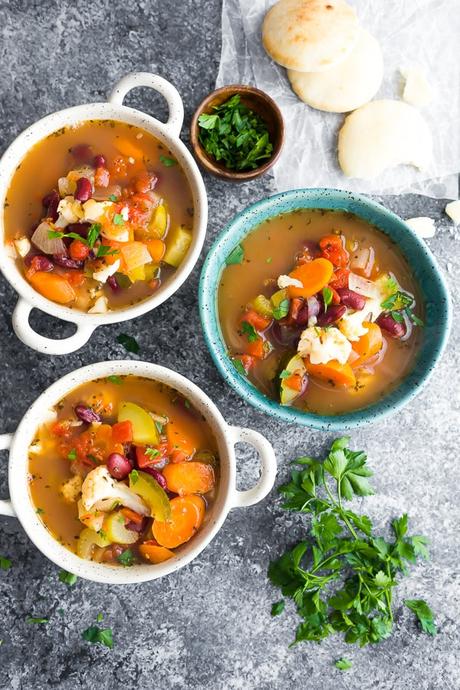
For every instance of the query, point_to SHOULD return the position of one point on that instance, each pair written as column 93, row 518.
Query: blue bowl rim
column 207, row 296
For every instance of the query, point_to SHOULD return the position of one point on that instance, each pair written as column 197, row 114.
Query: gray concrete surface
column 208, row 626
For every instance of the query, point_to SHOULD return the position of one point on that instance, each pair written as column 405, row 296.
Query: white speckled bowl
column 228, row 496
column 168, row 134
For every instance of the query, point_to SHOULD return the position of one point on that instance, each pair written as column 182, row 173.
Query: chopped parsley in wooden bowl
column 237, row 133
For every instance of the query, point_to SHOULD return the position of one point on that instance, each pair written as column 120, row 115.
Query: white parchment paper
column 422, row 33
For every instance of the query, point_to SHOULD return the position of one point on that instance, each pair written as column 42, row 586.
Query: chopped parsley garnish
column 72, row 454
column 93, row 234
column 238, row 364
column 118, row 219
column 39, row 511
column 268, row 260
column 113, row 378
column 249, row 331
column 100, row 617
column 126, row 558
column 423, row 613
column 134, row 476
column 278, row 607
column 36, row 621
column 342, row 575
column 129, row 343
column 167, row 161
column 159, row 426
column 327, row 297
column 152, row 453
column 94, row 634
column 235, row 135
column 343, row 664
column 397, row 301
column 105, row 250
column 281, row 310
column 5, row 563
column 236, row 256
column 68, row 578
column 113, row 197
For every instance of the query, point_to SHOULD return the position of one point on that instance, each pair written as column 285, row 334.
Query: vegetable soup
column 125, row 471
column 320, row 310
column 99, row 215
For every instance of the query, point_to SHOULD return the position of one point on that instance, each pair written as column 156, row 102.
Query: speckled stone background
column 208, row 626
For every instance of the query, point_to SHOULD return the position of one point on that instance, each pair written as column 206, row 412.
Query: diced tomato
column 178, row 456
column 101, row 177
column 340, row 279
column 132, row 516
column 256, row 348
column 78, row 250
column 62, row 429
column 333, row 250
column 122, row 432
column 146, row 460
column 247, row 361
column 294, row 381
column 140, row 208
column 145, row 181
column 119, row 167
column 260, row 323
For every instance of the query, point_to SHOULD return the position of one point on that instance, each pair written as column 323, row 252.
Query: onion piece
column 409, row 327
column 363, row 260
column 364, row 287
column 103, row 193
column 46, row 244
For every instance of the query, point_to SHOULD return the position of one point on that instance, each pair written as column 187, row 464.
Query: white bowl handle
column 153, row 81
column 5, row 506
column 48, row 346
column 267, row 471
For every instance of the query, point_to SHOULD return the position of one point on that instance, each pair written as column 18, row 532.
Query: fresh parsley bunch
column 343, row 578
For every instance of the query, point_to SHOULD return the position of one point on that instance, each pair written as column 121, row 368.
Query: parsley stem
column 342, row 512
column 388, row 594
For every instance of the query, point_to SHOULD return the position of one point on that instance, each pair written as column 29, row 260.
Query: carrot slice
column 368, row 345
column 294, row 381
column 132, row 516
column 259, row 322
column 53, row 287
column 314, row 276
column 185, row 478
column 122, row 432
column 186, row 519
column 183, row 434
column 333, row 371
column 154, row 553
column 127, row 148
column 156, row 249
column 340, row 278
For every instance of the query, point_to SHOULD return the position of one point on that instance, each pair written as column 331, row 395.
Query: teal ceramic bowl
column 427, row 272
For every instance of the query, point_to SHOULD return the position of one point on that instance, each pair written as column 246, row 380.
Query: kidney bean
column 80, row 228
column 284, row 336
column 99, row 161
column 388, row 324
column 86, row 414
column 137, row 527
column 118, row 465
column 51, row 203
column 112, row 283
column 333, row 314
column 41, row 263
column 312, row 248
column 157, row 476
column 83, row 153
column 302, row 315
column 66, row 261
column 84, row 189
column 351, row 299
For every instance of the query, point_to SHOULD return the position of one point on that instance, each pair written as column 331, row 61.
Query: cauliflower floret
column 71, row 489
column 94, row 210
column 70, row 211
column 100, row 306
column 285, row 281
column 351, row 325
column 324, row 344
column 100, row 491
column 106, row 272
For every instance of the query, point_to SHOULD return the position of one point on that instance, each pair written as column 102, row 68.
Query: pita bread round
column 348, row 85
column 310, row 35
column 381, row 135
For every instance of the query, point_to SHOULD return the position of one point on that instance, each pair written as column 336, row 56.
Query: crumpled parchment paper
column 421, row 33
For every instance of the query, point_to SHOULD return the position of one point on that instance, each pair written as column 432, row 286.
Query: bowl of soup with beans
column 103, row 214
column 124, row 471
column 324, row 308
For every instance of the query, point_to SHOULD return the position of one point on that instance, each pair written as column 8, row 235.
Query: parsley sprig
column 342, row 579
column 93, row 235
column 235, row 135
column 400, row 302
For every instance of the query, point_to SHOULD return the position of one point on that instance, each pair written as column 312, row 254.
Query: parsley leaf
column 118, row 219
column 72, row 454
column 68, row 578
column 105, row 250
column 93, row 233
column 36, row 621
column 249, row 331
column 5, row 563
column 397, row 301
column 134, row 476
column 167, row 161
column 129, row 343
column 278, row 607
column 281, row 310
column 343, row 664
column 113, row 378
column 423, row 613
column 94, row 634
column 239, row 366
column 342, row 578
column 327, row 297
column 236, row 256
column 152, row 453
column 113, row 197
column 126, row 558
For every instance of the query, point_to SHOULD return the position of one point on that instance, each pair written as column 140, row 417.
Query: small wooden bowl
column 256, row 100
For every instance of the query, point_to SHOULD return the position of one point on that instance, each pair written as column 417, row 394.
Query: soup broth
column 125, row 472
column 114, row 211
column 273, row 332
